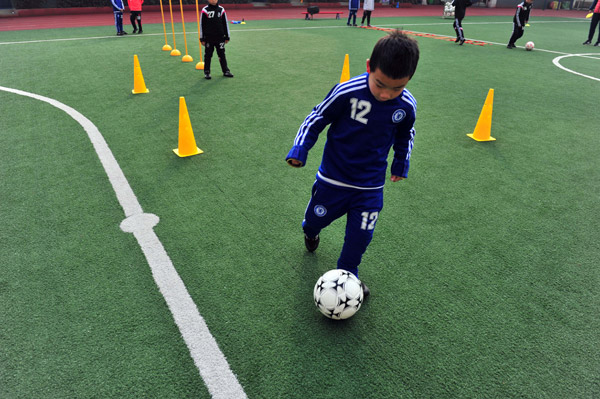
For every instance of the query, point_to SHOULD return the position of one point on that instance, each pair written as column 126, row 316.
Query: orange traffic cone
column 345, row 70
column 200, row 65
column 138, row 79
column 187, row 143
column 484, row 123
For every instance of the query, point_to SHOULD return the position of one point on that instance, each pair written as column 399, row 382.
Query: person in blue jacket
column 118, row 9
column 368, row 115
column 353, row 6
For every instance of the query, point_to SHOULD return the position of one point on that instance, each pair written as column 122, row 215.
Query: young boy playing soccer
column 520, row 19
column 214, row 34
column 369, row 114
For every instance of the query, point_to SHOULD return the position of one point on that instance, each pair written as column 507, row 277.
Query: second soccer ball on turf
column 338, row 294
column 529, row 46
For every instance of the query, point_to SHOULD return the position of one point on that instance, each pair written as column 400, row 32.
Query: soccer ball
column 338, row 294
column 529, row 46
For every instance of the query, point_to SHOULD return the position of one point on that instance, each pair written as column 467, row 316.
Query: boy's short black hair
column 396, row 55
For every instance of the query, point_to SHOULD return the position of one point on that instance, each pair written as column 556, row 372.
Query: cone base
column 140, row 92
column 187, row 58
column 166, row 47
column 175, row 53
column 472, row 135
column 198, row 151
column 200, row 65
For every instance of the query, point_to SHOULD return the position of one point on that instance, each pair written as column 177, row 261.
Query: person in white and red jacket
column 595, row 19
column 135, row 9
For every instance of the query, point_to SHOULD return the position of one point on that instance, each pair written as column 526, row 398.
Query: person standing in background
column 118, row 8
column 460, row 7
column 368, row 6
column 353, row 6
column 595, row 8
column 135, row 8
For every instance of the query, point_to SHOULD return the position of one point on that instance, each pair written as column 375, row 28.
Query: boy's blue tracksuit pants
column 361, row 208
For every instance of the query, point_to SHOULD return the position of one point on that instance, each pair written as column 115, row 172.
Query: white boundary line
column 556, row 62
column 275, row 29
column 210, row 361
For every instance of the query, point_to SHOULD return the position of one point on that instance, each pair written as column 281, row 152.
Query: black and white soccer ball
column 338, row 294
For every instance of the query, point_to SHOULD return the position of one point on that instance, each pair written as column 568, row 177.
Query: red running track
column 151, row 15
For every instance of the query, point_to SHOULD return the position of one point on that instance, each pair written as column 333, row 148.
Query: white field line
column 593, row 56
column 576, row 20
column 210, row 361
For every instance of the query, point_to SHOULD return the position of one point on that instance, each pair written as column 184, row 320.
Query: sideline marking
column 556, row 62
column 429, row 35
column 210, row 361
column 275, row 29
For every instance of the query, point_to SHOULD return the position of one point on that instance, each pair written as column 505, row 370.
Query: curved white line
column 556, row 62
column 210, row 361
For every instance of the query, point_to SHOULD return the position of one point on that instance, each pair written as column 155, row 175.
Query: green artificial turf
column 483, row 267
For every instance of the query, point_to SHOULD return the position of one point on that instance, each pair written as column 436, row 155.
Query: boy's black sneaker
column 587, row 42
column 228, row 74
column 511, row 46
column 207, row 75
column 597, row 44
column 134, row 31
column 462, row 41
column 366, row 290
column 123, row 33
column 140, row 31
column 311, row 243
column 457, row 40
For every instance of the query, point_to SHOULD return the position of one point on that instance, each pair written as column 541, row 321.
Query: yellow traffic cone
column 345, row 70
column 484, row 123
column 138, row 79
column 187, row 143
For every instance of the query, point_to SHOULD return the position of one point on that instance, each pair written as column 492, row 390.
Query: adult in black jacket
column 519, row 20
column 460, row 7
column 214, row 34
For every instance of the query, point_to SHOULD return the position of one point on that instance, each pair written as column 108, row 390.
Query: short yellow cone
column 138, row 79
column 187, row 143
column 345, row 70
column 484, row 123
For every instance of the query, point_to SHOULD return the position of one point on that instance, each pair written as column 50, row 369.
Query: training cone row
column 187, row 142
column 345, row 70
column 483, row 128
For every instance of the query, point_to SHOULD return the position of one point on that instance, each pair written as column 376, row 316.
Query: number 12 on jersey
column 363, row 107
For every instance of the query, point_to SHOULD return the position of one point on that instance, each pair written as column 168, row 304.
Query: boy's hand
column 294, row 163
column 395, row 178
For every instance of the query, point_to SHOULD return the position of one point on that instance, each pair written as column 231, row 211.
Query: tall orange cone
column 345, row 70
column 186, row 57
column 174, row 52
column 187, row 143
column 200, row 65
column 484, row 123
column 166, row 47
column 139, row 86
